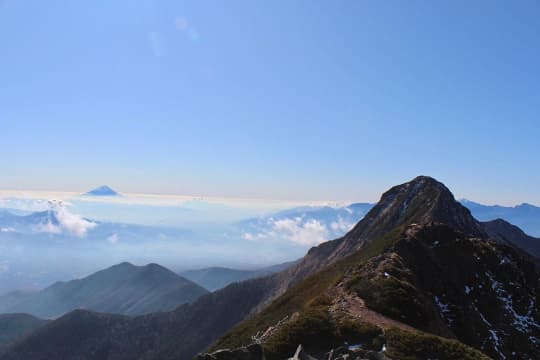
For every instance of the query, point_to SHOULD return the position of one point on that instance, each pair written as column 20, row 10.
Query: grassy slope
column 314, row 328
column 406, row 345
column 300, row 296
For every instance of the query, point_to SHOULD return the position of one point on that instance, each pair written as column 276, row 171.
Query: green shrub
column 405, row 345
column 313, row 329
column 392, row 297
column 304, row 294
column 357, row 332
column 321, row 300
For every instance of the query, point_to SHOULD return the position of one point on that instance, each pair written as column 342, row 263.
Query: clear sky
column 307, row 100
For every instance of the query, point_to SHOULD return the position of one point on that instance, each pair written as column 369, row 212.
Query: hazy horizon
column 170, row 198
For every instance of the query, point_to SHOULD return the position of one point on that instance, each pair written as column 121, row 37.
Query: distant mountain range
column 338, row 220
column 526, row 216
column 25, row 223
column 278, row 237
column 121, row 289
column 50, row 239
column 326, row 214
column 103, row 190
column 214, row 278
column 418, row 277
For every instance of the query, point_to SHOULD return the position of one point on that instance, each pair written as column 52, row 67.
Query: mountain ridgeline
column 121, row 289
column 526, row 216
column 215, row 278
column 418, row 277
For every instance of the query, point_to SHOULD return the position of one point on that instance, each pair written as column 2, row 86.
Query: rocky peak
column 421, row 200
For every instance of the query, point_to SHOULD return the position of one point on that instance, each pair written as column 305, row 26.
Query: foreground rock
column 255, row 352
column 252, row 352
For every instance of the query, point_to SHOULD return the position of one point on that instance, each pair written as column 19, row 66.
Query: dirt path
column 356, row 308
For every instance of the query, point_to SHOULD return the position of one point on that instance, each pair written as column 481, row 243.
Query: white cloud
column 7, row 229
column 28, row 205
column 311, row 232
column 48, row 228
column 341, row 225
column 73, row 223
column 113, row 239
column 298, row 230
column 65, row 221
column 4, row 267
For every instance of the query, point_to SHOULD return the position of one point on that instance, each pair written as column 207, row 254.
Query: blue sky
column 300, row 100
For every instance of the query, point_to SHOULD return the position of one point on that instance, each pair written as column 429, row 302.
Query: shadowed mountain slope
column 15, row 326
column 526, row 216
column 120, row 289
column 215, row 278
column 503, row 231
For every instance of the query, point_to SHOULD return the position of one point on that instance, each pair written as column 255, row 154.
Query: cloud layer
column 62, row 220
column 297, row 230
column 73, row 223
